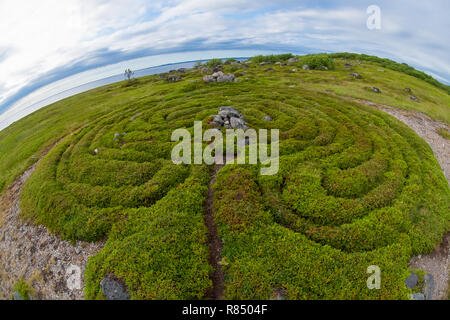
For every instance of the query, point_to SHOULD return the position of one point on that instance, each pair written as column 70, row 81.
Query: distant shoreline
column 99, row 83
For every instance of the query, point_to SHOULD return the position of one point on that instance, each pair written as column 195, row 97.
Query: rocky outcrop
column 355, row 75
column 229, row 118
column 414, row 98
column 427, row 291
column 53, row 267
column 173, row 78
column 219, row 76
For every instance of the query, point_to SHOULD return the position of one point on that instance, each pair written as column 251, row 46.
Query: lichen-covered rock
column 228, row 112
column 225, row 78
column 112, row 289
column 219, row 76
column 428, row 288
column 217, row 121
column 355, row 75
column 414, row 98
column 412, row 280
column 417, row 296
column 238, row 123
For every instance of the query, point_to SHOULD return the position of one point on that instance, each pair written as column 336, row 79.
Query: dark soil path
column 214, row 243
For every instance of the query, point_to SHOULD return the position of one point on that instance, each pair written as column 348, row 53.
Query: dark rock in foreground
column 219, row 77
column 417, row 296
column 230, row 118
column 375, row 89
column 355, row 75
column 414, row 98
column 428, row 288
column 113, row 290
column 412, row 280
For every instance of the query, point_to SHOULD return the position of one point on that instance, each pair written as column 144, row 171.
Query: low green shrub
column 272, row 58
column 317, row 62
column 24, row 289
column 212, row 63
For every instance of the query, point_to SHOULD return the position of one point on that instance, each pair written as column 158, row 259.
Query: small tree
column 128, row 74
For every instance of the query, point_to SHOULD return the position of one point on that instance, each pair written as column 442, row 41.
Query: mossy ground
column 356, row 187
column 24, row 289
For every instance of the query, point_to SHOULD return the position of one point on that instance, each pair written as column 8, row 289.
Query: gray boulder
column 264, row 63
column 208, row 78
column 414, row 98
column 219, row 76
column 417, row 296
column 217, row 121
column 113, row 290
column 225, row 78
column 412, row 280
column 375, row 89
column 228, row 112
column 173, row 78
column 292, row 60
column 267, row 118
column 428, row 288
column 355, row 75
column 238, row 123
column 348, row 65
column 305, row 67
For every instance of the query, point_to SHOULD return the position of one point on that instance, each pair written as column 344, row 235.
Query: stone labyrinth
column 355, row 188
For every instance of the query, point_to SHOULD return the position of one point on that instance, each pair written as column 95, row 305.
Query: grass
column 444, row 133
column 356, row 187
column 24, row 289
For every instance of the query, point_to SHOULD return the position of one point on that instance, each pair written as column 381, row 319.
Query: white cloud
column 43, row 36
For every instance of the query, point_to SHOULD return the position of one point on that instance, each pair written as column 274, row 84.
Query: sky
column 49, row 45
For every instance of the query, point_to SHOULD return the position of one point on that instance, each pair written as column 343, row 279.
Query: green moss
column 24, row 289
column 272, row 58
column 317, row 62
column 444, row 133
column 214, row 63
